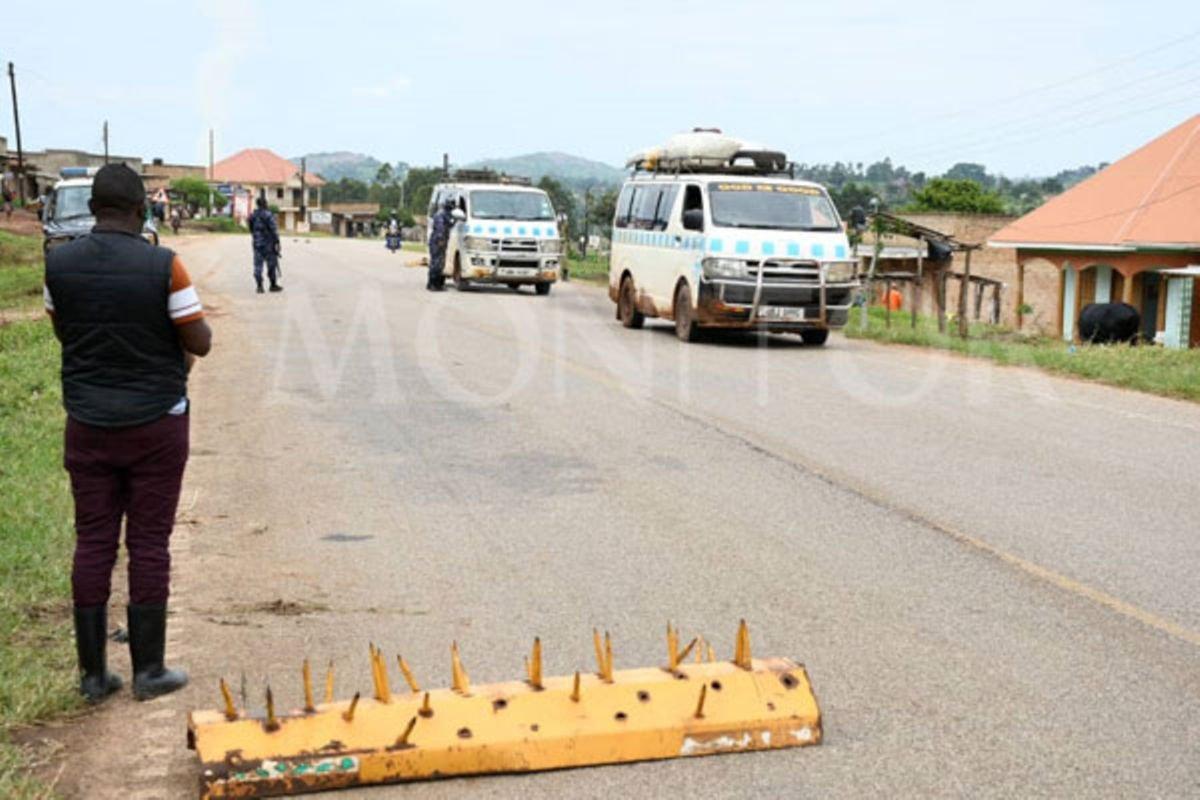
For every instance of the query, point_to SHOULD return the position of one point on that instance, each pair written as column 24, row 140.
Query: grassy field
column 37, row 663
column 1171, row 373
column 593, row 269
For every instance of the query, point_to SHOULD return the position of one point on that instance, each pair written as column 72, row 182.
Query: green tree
column 384, row 176
column 966, row 171
column 418, row 186
column 964, row 196
column 602, row 211
column 564, row 203
column 196, row 193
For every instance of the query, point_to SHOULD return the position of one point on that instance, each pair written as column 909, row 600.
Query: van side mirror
column 458, row 214
column 693, row 219
column 858, row 218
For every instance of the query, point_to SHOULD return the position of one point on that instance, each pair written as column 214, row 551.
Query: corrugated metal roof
column 260, row 166
column 1150, row 198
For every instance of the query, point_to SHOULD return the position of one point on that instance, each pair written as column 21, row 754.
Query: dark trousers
column 272, row 262
column 131, row 475
column 437, row 267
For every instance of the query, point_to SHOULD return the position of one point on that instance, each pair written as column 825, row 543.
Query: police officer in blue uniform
column 266, row 245
column 439, row 238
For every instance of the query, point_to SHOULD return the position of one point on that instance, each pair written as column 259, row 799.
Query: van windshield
column 71, row 202
column 511, row 205
column 771, row 206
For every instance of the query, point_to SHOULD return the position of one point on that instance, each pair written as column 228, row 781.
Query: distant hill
column 576, row 172
column 335, row 166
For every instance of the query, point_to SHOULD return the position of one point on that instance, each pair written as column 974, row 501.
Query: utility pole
column 210, row 154
column 105, row 141
column 445, row 163
column 12, row 82
column 303, row 192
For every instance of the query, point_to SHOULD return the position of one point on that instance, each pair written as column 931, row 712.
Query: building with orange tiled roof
column 262, row 173
column 1130, row 233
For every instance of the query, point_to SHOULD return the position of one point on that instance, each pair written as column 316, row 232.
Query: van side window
column 693, row 200
column 666, row 202
column 645, row 208
column 624, row 203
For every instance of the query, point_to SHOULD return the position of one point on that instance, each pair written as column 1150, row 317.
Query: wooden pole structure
column 1020, row 294
column 887, row 303
column 943, row 279
column 12, row 83
column 871, row 273
column 996, row 303
column 963, row 284
column 916, row 301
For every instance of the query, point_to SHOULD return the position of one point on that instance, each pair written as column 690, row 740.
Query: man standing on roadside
column 265, row 234
column 131, row 326
column 439, row 238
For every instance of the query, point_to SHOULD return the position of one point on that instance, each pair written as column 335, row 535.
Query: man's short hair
column 261, row 202
column 118, row 187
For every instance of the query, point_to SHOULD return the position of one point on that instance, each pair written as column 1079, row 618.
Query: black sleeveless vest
column 122, row 363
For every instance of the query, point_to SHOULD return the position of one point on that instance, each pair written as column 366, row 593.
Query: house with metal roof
column 1130, row 233
column 259, row 172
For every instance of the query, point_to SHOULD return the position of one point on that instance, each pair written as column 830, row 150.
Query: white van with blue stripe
column 723, row 236
column 510, row 235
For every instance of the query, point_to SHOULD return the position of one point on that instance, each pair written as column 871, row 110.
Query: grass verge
column 593, row 269
column 37, row 668
column 1156, row 370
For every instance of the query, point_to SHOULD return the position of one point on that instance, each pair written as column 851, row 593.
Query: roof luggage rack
column 488, row 176
column 744, row 162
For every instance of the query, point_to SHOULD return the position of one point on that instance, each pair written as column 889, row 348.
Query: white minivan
column 712, row 233
column 508, row 233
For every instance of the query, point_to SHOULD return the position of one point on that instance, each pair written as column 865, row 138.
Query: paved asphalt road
column 993, row 576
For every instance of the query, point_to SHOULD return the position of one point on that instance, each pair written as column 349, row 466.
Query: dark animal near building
column 1104, row 323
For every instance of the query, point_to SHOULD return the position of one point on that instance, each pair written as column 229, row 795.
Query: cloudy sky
column 1025, row 86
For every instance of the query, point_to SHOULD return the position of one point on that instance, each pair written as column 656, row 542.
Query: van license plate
column 781, row 313
column 516, row 272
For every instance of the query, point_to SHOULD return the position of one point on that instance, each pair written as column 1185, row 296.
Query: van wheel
column 460, row 282
column 816, row 336
column 542, row 289
column 516, row 287
column 627, row 306
column 685, row 323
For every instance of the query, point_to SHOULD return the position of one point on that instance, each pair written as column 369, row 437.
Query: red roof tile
column 259, row 166
column 1150, row 197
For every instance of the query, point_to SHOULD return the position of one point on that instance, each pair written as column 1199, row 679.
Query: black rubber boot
column 91, row 637
column 258, row 283
column 147, row 641
column 275, row 287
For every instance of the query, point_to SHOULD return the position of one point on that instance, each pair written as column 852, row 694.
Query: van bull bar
column 693, row 705
column 778, row 295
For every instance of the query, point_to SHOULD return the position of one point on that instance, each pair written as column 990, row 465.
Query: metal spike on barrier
column 306, row 674
column 695, row 708
column 408, row 675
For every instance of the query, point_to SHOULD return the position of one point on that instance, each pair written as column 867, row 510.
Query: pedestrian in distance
column 8, row 202
column 439, row 238
column 131, row 327
column 265, row 239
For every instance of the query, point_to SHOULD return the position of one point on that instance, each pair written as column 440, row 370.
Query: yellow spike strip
column 534, row 664
column 700, row 705
column 329, row 684
column 684, row 653
column 743, row 658
column 599, row 652
column 403, row 740
column 272, row 723
column 426, row 708
column 227, row 696
column 608, row 658
column 383, row 689
column 306, row 671
column 408, row 676
column 348, row 714
column 643, row 714
column 461, row 682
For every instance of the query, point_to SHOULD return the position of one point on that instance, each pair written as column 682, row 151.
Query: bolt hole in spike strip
column 579, row 719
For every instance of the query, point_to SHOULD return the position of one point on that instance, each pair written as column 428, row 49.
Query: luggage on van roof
column 709, row 150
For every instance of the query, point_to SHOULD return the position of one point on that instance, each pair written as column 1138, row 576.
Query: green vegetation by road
column 37, row 663
column 593, row 269
column 1156, row 370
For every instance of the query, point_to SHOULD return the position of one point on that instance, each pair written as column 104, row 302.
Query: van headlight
column 723, row 268
column 478, row 243
column 550, row 246
column 840, row 271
